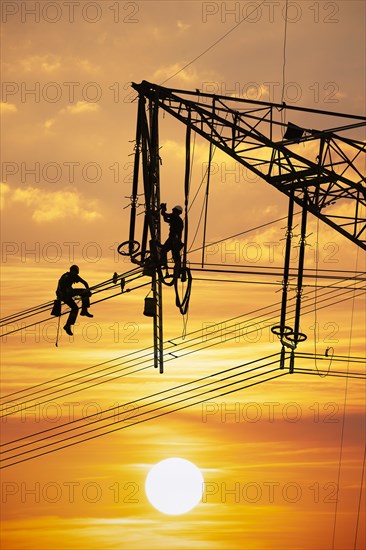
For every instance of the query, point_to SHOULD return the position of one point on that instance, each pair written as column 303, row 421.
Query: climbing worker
column 65, row 292
column 174, row 241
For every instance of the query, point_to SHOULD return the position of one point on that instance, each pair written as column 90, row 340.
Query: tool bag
column 56, row 310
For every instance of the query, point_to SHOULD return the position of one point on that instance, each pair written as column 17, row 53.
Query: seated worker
column 174, row 241
column 65, row 292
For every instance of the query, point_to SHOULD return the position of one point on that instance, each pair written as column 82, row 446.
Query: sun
column 174, row 486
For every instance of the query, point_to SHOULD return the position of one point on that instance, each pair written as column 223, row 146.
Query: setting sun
column 174, row 486
column 200, row 166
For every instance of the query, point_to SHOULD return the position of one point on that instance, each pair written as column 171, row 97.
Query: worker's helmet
column 74, row 269
column 178, row 208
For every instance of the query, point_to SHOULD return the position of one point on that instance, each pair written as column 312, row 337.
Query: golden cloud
column 86, row 66
column 49, row 123
column 186, row 75
column 55, row 205
column 4, row 190
column 81, row 107
column 183, row 26
column 46, row 63
column 8, row 107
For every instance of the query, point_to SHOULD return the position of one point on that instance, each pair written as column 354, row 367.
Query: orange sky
column 271, row 455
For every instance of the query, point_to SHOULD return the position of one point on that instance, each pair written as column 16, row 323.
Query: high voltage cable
column 86, row 419
column 102, row 428
column 345, row 358
column 66, row 312
column 47, row 305
column 355, row 375
column 174, row 345
column 213, row 44
column 344, row 416
column 36, row 450
column 349, row 271
column 145, row 420
column 104, row 381
column 241, row 271
column 156, row 409
column 149, row 349
column 97, row 288
column 227, row 333
column 243, row 232
column 15, row 318
column 249, row 282
column 135, row 271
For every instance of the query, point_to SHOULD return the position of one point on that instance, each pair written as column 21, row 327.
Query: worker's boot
column 85, row 313
column 67, row 329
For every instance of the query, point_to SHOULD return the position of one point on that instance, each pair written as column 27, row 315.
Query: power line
column 229, row 329
column 360, row 497
column 343, row 417
column 87, row 418
column 226, row 337
column 284, row 55
column 17, row 317
column 154, row 410
column 183, row 385
column 213, row 44
column 300, row 371
column 234, row 336
column 66, row 312
column 129, row 276
column 174, row 343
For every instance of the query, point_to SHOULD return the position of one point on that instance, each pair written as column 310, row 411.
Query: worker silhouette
column 66, row 292
column 174, row 241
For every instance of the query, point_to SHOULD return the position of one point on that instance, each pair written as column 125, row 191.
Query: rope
column 210, row 155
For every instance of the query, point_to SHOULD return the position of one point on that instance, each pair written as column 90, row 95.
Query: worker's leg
column 72, row 315
column 177, row 260
column 73, row 310
column 85, row 301
column 164, row 253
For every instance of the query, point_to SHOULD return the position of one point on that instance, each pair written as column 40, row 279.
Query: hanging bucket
column 150, row 307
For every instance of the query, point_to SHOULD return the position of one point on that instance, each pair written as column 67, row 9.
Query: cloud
column 86, row 66
column 46, row 63
column 49, row 123
column 52, row 64
column 187, row 75
column 7, row 108
column 81, row 107
column 4, row 190
column 183, row 26
column 49, row 206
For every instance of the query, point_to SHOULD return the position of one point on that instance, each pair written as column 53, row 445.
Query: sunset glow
column 275, row 459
